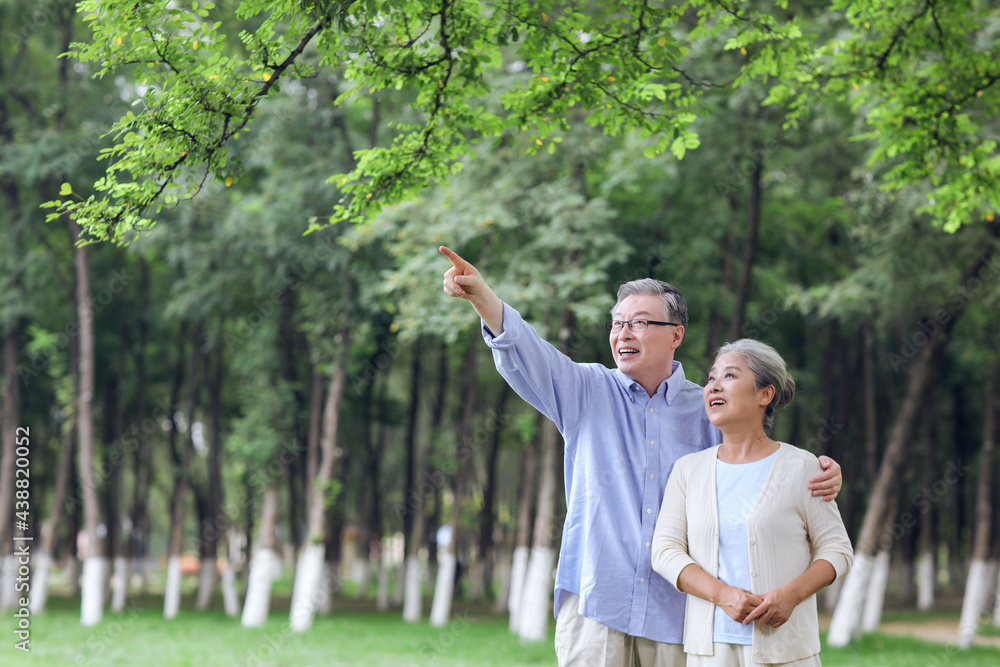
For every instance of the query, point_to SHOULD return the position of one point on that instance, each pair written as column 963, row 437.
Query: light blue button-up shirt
column 621, row 445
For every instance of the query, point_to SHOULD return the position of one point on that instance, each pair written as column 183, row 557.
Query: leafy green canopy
column 196, row 90
column 921, row 72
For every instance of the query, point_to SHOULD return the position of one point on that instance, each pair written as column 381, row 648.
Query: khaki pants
column 582, row 642
column 736, row 655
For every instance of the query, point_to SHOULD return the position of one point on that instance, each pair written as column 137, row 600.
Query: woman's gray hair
column 674, row 306
column 768, row 370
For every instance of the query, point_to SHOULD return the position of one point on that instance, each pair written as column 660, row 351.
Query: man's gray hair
column 674, row 306
column 768, row 369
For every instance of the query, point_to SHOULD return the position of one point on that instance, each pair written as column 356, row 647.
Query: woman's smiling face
column 731, row 393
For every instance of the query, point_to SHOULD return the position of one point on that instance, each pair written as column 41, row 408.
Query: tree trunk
column 412, row 451
column 875, row 597
column 94, row 567
column 263, row 563
column 925, row 561
column 978, row 584
column 415, row 511
column 715, row 318
column 535, row 609
column 315, row 425
column 382, row 579
column 309, row 573
column 750, row 243
column 848, row 612
column 446, row 579
column 43, row 559
column 138, row 544
column 923, row 367
column 114, row 427
column 525, row 514
column 12, row 430
column 488, row 515
column 871, row 414
column 172, row 592
column 217, row 524
column 533, row 615
column 296, row 466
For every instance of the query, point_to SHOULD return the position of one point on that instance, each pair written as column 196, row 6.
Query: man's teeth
column 628, row 350
column 716, row 401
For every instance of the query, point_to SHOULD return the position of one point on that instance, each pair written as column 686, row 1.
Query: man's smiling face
column 645, row 356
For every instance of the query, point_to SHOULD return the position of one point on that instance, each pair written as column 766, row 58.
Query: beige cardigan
column 787, row 530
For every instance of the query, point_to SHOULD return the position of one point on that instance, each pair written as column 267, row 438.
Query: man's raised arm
column 462, row 280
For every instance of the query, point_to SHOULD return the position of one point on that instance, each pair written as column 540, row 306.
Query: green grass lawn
column 354, row 635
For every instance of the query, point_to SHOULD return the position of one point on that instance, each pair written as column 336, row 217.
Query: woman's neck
column 746, row 446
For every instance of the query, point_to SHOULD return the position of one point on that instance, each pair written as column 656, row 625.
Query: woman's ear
column 765, row 395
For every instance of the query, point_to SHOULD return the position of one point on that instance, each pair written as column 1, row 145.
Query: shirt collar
column 667, row 391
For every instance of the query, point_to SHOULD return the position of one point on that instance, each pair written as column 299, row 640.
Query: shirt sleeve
column 827, row 534
column 670, row 545
column 554, row 384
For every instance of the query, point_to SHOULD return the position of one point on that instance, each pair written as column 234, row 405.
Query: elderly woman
column 739, row 531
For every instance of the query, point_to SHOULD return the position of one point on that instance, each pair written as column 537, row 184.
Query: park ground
column 356, row 634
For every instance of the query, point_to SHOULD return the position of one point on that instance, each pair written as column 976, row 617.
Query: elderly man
column 624, row 429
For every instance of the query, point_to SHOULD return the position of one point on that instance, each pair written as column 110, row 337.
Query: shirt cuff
column 511, row 327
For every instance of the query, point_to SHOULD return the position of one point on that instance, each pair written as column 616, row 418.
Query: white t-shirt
column 737, row 488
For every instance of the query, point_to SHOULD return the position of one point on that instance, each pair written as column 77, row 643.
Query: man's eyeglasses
column 636, row 325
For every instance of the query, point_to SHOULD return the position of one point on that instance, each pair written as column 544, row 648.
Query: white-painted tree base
column 230, row 598
column 119, row 584
column 8, row 582
column 308, row 591
column 875, row 598
column 172, row 590
column 258, row 589
column 977, row 588
column 412, row 602
column 382, row 586
column 925, row 581
column 92, row 591
column 40, row 583
column 207, row 575
column 533, row 621
column 443, row 590
column 847, row 615
column 518, row 569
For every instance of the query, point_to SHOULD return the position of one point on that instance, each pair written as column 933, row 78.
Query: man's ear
column 677, row 338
